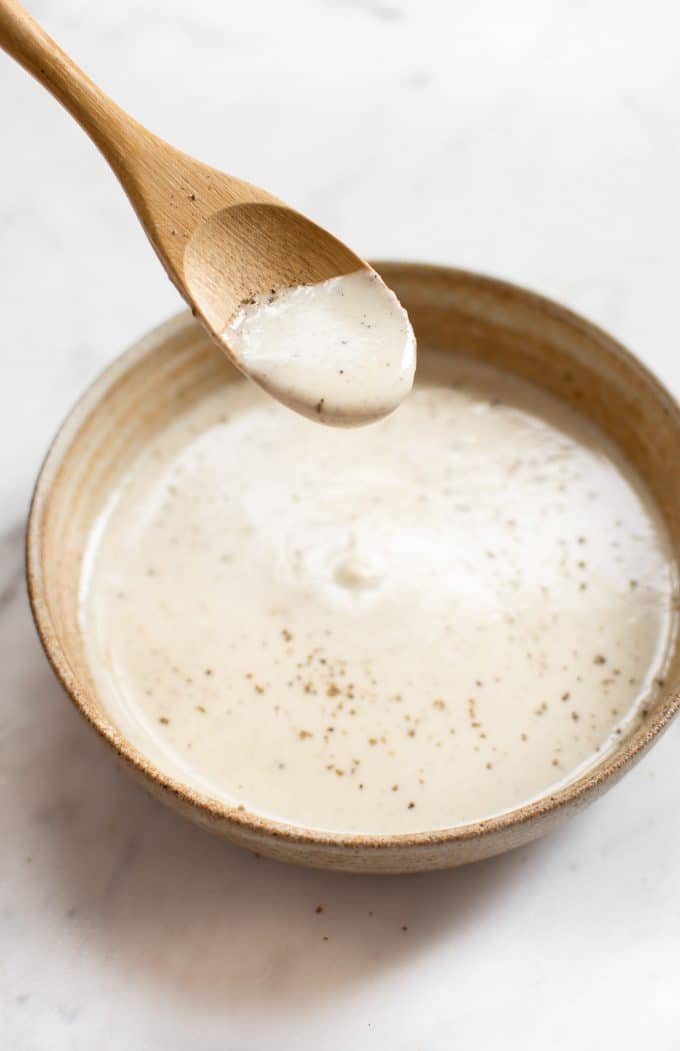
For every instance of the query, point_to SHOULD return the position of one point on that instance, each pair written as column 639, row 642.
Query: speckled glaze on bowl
column 175, row 365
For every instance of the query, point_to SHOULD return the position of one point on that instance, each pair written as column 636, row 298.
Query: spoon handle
column 111, row 129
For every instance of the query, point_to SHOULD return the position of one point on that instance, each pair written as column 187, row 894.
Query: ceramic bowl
column 173, row 366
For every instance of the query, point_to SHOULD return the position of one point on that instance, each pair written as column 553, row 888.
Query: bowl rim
column 239, row 817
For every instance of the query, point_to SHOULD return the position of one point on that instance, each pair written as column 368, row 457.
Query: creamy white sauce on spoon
column 397, row 629
column 342, row 352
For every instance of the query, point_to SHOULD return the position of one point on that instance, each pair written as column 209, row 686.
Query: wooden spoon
column 221, row 240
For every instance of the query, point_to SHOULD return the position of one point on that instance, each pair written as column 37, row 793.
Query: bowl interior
column 452, row 311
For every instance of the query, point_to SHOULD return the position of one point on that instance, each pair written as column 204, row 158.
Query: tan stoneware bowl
column 452, row 311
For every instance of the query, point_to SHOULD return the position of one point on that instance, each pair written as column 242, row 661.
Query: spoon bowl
column 222, row 241
column 231, row 239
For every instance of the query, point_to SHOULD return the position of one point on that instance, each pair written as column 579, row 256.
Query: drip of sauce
column 400, row 629
column 341, row 352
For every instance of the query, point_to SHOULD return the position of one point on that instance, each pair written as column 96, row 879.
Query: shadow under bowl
column 176, row 365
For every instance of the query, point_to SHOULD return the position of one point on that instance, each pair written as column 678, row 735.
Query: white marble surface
column 534, row 140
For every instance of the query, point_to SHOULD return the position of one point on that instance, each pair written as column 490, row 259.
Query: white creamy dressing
column 341, row 352
column 404, row 628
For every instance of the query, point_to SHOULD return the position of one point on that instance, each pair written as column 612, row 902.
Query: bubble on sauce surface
column 356, row 573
